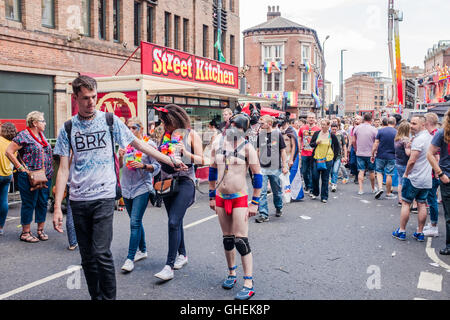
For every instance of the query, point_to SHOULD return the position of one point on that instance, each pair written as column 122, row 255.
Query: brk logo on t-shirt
column 90, row 141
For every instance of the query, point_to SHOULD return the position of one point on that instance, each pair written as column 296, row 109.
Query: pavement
column 342, row 250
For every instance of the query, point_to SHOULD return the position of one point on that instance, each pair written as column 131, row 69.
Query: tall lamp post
column 341, row 80
column 323, row 76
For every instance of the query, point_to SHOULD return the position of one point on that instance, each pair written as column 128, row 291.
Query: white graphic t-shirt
column 92, row 171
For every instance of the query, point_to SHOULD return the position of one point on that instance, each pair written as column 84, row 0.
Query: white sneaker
column 165, row 274
column 333, row 188
column 431, row 232
column 128, row 266
column 180, row 262
column 140, row 255
column 428, row 226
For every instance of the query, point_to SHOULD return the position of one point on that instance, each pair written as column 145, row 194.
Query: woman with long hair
column 137, row 184
column 179, row 140
column 7, row 133
column 402, row 145
column 35, row 153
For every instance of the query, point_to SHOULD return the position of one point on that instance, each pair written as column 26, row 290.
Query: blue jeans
column 307, row 167
column 335, row 170
column 353, row 163
column 70, row 226
column 324, row 176
column 432, row 201
column 4, row 188
column 272, row 176
column 32, row 201
column 176, row 207
column 136, row 208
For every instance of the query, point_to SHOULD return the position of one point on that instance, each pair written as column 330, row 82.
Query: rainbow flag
column 307, row 67
column 293, row 98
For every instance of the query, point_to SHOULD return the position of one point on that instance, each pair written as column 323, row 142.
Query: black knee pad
column 242, row 246
column 228, row 242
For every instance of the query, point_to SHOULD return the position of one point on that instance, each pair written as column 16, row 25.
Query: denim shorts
column 409, row 192
column 364, row 163
column 385, row 166
column 400, row 172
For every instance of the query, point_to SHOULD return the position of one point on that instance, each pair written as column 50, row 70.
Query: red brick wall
column 27, row 46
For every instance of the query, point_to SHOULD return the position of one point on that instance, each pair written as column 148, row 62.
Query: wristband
column 212, row 174
column 257, row 181
column 212, row 194
column 255, row 200
column 441, row 174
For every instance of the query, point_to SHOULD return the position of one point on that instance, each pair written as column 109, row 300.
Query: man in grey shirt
column 416, row 180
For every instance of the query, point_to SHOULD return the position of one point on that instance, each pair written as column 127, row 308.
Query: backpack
column 110, row 122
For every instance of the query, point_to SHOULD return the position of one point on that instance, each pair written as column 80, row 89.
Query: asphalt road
column 342, row 250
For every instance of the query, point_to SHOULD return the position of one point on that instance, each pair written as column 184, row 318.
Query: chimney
column 273, row 12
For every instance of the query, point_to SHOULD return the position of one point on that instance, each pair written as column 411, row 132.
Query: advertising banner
column 173, row 64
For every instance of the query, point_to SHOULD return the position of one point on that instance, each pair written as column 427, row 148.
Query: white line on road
column 432, row 254
column 70, row 270
column 39, row 282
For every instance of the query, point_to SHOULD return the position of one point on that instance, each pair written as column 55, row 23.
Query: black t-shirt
column 268, row 144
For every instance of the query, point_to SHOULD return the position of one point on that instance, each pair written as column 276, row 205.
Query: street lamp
column 341, row 80
column 323, row 75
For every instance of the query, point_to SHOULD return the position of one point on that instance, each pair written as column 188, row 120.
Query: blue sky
column 360, row 26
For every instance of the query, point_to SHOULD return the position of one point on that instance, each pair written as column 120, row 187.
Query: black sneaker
column 279, row 213
column 261, row 219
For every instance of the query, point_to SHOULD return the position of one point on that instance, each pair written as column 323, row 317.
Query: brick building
column 284, row 59
column 359, row 93
column 44, row 44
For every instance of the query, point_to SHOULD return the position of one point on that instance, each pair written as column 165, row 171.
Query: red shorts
column 229, row 204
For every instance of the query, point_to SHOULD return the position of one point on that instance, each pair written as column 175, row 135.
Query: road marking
column 200, row 221
column 432, row 254
column 39, row 282
column 430, row 281
column 12, row 218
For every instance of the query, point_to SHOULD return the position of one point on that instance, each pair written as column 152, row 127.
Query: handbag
column 37, row 178
column 321, row 164
column 167, row 187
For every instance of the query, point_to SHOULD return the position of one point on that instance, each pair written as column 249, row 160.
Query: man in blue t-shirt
column 384, row 152
column 93, row 182
column 442, row 170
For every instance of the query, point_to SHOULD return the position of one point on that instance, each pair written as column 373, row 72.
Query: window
column 205, row 41
column 150, row 22
column 273, row 53
column 272, row 81
column 166, row 29
column 116, row 20
column 185, row 35
column 306, row 53
column 232, row 49
column 12, row 9
column 231, row 5
column 137, row 24
column 101, row 19
column 306, row 82
column 176, row 32
column 48, row 13
column 86, row 17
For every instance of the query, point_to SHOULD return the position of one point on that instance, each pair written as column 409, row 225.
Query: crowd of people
column 309, row 156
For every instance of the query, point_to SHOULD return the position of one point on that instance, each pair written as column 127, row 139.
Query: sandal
column 230, row 281
column 42, row 235
column 246, row 292
column 29, row 239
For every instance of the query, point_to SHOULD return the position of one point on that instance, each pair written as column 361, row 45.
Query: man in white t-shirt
column 93, row 183
column 417, row 180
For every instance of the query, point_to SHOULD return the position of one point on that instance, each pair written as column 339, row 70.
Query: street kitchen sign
column 166, row 62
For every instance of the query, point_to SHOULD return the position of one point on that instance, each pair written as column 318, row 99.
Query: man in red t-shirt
column 305, row 135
